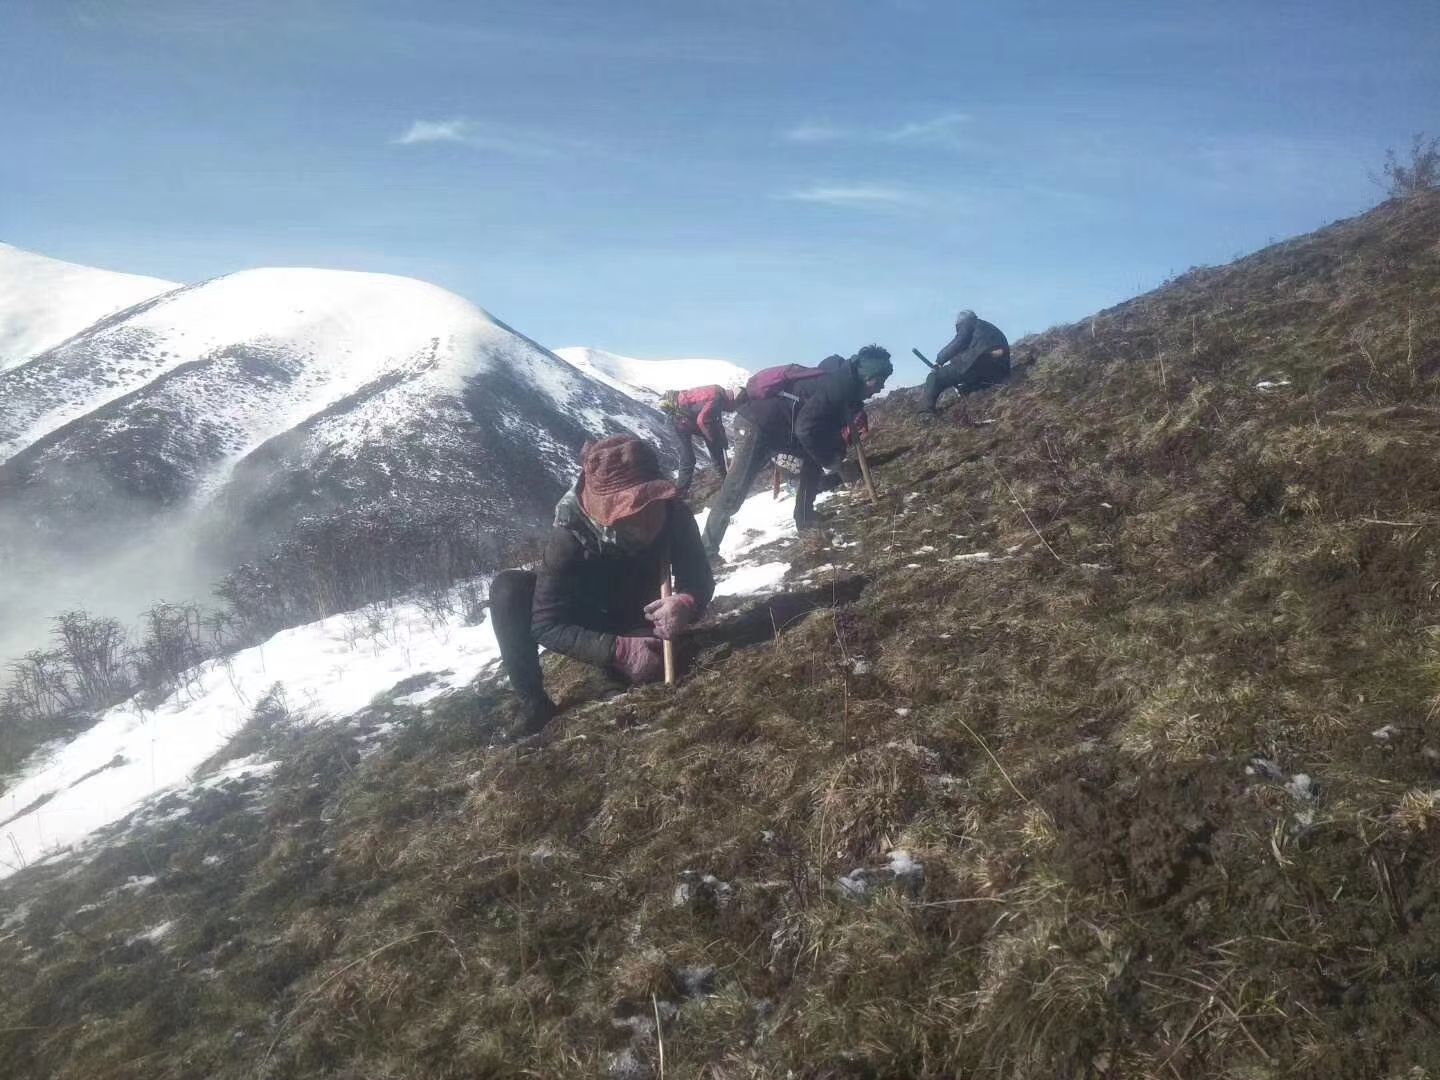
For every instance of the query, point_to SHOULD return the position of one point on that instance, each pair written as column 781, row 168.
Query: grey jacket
column 973, row 339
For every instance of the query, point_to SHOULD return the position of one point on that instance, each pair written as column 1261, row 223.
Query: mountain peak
column 43, row 301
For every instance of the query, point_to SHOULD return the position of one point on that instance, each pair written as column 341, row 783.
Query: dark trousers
column 753, row 451
column 714, row 447
column 512, row 595
column 984, row 371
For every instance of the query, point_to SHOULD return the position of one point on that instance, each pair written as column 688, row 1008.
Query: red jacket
column 698, row 410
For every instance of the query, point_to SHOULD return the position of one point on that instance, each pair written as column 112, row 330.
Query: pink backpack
column 776, row 381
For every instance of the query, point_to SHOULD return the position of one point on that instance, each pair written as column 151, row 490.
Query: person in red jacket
column 693, row 412
column 596, row 595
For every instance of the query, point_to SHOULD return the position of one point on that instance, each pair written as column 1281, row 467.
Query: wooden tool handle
column 668, row 647
column 865, row 472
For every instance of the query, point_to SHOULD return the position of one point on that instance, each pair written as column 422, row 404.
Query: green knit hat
column 873, row 362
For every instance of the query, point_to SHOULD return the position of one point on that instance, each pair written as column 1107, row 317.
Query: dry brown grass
column 1189, row 572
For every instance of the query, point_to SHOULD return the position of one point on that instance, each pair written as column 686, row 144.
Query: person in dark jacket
column 805, row 421
column 977, row 356
column 596, row 596
column 859, row 427
column 698, row 411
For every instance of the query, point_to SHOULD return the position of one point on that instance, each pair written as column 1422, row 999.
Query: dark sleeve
column 820, row 419
column 553, row 617
column 959, row 343
column 989, row 337
column 688, row 561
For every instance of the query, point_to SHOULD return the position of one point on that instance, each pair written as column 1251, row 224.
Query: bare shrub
column 474, row 599
column 40, row 685
column 172, row 644
column 1421, row 173
column 96, row 651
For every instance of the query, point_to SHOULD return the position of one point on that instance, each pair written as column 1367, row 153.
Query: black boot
column 537, row 711
column 511, row 596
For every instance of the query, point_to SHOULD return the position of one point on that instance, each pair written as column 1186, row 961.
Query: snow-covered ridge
column 305, row 339
column 646, row 380
column 43, row 301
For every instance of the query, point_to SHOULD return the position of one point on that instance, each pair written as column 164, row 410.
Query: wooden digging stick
column 865, row 472
column 668, row 647
column 775, row 484
column 923, row 360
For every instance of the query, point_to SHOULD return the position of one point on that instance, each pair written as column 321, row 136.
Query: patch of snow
column 1264, row 768
column 1386, row 733
column 697, row 981
column 744, row 580
column 760, row 520
column 155, row 933
column 16, row 916
column 909, row 872
column 854, row 885
column 973, row 556
column 903, row 870
column 1301, row 786
column 252, row 765
column 702, row 888
column 1267, row 384
column 326, row 669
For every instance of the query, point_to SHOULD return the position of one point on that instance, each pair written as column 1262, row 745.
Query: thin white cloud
column 816, row 133
column 944, row 130
column 422, row 131
column 493, row 138
column 856, row 195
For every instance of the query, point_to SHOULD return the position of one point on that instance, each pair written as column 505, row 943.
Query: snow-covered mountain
column 646, row 380
column 43, row 301
column 222, row 414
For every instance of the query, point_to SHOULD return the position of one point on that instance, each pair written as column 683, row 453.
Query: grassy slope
column 1061, row 736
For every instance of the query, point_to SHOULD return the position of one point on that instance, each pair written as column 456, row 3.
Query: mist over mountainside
column 43, row 301
column 160, row 447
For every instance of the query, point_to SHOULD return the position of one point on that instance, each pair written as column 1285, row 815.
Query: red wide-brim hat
column 621, row 476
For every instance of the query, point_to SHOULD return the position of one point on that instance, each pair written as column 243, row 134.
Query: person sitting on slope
column 977, row 356
column 798, row 411
column 596, row 595
column 693, row 412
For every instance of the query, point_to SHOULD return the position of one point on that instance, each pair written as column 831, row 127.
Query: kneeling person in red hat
column 596, row 596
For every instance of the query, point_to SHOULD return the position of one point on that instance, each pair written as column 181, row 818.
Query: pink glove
column 671, row 615
column 639, row 659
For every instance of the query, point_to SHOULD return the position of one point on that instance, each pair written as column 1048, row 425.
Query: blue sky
column 762, row 180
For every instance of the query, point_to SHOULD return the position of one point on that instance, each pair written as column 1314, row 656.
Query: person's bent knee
column 509, row 583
